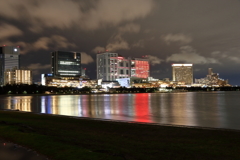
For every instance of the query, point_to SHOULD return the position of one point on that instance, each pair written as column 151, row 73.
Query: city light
column 182, row 65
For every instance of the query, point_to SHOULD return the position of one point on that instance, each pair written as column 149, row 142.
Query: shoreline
column 83, row 138
column 50, row 94
column 124, row 121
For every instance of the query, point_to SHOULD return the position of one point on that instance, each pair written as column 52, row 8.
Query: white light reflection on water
column 43, row 105
column 18, row 102
column 206, row 109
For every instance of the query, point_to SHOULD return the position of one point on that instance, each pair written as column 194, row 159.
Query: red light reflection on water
column 142, row 113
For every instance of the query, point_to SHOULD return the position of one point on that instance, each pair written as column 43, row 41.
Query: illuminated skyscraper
column 9, row 59
column 182, row 73
column 66, row 64
column 112, row 66
column 139, row 68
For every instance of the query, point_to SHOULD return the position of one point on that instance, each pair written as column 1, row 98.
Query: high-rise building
column 112, row 66
column 66, row 64
column 139, row 68
column 210, row 71
column 182, row 73
column 9, row 59
column 108, row 66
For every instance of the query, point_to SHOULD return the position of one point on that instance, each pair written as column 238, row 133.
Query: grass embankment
column 62, row 138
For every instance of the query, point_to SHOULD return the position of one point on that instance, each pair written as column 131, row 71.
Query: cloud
column 7, row 30
column 189, row 55
column 131, row 27
column 139, row 44
column 114, row 12
column 98, row 49
column 54, row 42
column 42, row 13
column 227, row 55
column 220, row 55
column 215, row 53
column 234, row 59
column 42, row 43
column 86, row 59
column 117, row 42
column 88, row 15
column 179, row 38
column 153, row 60
column 36, row 67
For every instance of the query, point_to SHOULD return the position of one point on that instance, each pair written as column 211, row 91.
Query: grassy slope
column 63, row 138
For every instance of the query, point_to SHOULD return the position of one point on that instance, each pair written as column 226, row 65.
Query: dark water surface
column 204, row 109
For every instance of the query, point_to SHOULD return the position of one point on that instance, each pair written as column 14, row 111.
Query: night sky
column 203, row 32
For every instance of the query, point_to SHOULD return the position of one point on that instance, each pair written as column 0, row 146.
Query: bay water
column 202, row 109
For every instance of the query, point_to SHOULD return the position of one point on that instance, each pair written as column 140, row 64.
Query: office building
column 66, row 64
column 9, row 59
column 18, row 76
column 182, row 73
column 108, row 66
column 112, row 66
column 139, row 68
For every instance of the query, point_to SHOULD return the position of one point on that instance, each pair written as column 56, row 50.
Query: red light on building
column 142, row 69
column 120, row 57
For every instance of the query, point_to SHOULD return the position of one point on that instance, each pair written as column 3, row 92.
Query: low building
column 75, row 82
column 18, row 76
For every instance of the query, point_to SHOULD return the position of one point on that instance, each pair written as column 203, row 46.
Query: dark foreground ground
column 12, row 151
column 67, row 138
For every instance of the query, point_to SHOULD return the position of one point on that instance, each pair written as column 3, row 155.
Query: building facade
column 139, row 68
column 66, row 64
column 9, row 59
column 112, row 66
column 76, row 82
column 18, row 76
column 108, row 66
column 182, row 73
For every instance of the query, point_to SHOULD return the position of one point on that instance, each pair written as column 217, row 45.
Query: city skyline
column 203, row 33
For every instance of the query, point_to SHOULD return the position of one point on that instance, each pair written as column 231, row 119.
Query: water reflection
column 207, row 109
column 142, row 107
column 18, row 102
